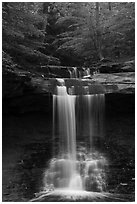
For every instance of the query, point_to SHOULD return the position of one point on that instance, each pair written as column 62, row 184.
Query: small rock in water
column 123, row 184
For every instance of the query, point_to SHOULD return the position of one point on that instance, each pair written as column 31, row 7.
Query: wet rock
column 92, row 184
column 115, row 67
column 109, row 68
column 24, row 91
column 128, row 66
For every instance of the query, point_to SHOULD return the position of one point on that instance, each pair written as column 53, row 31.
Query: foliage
column 95, row 30
column 119, row 30
column 74, row 32
column 24, row 32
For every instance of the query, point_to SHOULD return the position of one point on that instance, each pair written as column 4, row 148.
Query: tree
column 74, row 32
column 95, row 30
column 24, row 32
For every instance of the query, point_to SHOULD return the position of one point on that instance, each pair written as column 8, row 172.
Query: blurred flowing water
column 75, row 165
column 43, row 173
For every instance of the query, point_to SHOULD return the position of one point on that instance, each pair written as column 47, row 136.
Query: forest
column 67, row 33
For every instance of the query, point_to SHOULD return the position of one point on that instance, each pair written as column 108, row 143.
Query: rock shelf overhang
column 99, row 83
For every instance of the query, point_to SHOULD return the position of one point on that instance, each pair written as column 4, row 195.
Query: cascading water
column 65, row 166
column 76, row 167
column 79, row 73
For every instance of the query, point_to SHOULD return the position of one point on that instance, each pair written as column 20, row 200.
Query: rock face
column 18, row 83
column 26, row 91
column 99, row 83
column 50, row 71
column 114, row 67
column 125, row 82
column 14, row 84
column 21, row 95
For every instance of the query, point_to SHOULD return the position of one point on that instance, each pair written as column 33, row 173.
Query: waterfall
column 79, row 73
column 66, row 164
column 73, row 72
column 66, row 120
column 90, row 118
column 95, row 106
column 74, row 167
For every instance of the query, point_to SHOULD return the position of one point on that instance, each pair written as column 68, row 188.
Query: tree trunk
column 98, row 33
column 109, row 6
